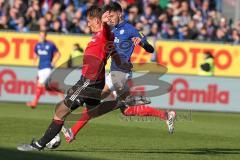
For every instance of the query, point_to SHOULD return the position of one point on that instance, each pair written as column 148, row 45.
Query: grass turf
column 201, row 135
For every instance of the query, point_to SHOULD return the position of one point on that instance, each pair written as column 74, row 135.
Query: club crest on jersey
column 116, row 40
column 121, row 31
column 47, row 47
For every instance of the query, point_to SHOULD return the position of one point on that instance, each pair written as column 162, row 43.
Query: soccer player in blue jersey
column 48, row 55
column 126, row 38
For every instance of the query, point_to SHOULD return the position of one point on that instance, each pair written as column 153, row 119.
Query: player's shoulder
column 129, row 26
column 50, row 43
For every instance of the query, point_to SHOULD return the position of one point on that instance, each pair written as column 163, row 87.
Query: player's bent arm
column 35, row 58
column 148, row 47
column 56, row 57
column 138, row 38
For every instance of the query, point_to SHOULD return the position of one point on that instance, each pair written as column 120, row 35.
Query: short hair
column 95, row 12
column 113, row 6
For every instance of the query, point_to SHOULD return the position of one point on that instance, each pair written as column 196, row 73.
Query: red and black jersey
column 95, row 55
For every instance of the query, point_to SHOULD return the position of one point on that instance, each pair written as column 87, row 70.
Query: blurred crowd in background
column 163, row 19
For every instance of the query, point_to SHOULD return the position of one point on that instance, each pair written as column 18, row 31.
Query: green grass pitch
column 203, row 136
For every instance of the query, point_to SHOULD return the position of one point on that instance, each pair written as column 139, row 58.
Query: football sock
column 53, row 129
column 39, row 92
column 143, row 110
column 81, row 122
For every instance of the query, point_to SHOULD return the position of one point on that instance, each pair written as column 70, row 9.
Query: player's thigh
column 105, row 92
column 92, row 102
column 43, row 75
column 119, row 81
column 108, row 83
column 72, row 100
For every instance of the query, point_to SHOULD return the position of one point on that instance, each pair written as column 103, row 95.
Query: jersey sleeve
column 35, row 50
column 54, row 48
column 136, row 33
column 107, row 34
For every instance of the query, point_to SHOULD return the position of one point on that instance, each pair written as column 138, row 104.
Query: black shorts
column 84, row 91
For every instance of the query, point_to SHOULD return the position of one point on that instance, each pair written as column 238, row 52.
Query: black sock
column 53, row 129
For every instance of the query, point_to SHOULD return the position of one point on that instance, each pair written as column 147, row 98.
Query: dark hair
column 113, row 6
column 77, row 46
column 208, row 55
column 95, row 12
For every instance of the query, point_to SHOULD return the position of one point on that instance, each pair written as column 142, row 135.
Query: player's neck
column 121, row 21
column 43, row 41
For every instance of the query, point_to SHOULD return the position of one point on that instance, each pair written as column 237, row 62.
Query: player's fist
column 136, row 40
column 106, row 17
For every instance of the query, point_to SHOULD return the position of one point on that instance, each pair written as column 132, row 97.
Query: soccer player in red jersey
column 93, row 76
column 123, row 32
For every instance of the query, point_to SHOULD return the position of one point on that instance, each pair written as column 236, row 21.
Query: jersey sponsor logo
column 47, row 47
column 116, row 40
column 42, row 52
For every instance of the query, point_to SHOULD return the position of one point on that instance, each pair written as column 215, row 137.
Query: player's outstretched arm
column 147, row 46
column 35, row 58
column 143, row 43
column 56, row 57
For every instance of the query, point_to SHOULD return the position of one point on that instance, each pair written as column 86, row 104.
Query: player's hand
column 127, row 66
column 53, row 64
column 106, row 17
column 136, row 41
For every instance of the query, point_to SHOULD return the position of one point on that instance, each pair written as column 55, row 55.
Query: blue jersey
column 123, row 34
column 45, row 51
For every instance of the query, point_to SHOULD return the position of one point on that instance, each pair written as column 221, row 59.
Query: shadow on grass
column 193, row 151
column 11, row 154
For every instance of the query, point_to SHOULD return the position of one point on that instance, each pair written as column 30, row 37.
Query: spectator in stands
column 235, row 39
column 167, row 19
column 192, row 30
column 4, row 8
column 32, row 19
column 56, row 27
column 49, row 18
column 70, row 11
column 220, row 36
column 4, row 22
column 75, row 26
column 202, row 35
column 133, row 15
column 21, row 25
column 43, row 24
column 65, row 24
column 13, row 20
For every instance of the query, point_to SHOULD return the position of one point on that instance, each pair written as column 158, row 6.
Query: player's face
column 42, row 36
column 93, row 24
column 115, row 18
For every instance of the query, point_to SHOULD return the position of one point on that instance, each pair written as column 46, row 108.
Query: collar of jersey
column 120, row 24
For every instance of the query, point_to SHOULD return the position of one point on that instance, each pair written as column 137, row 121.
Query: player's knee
column 61, row 111
column 105, row 93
